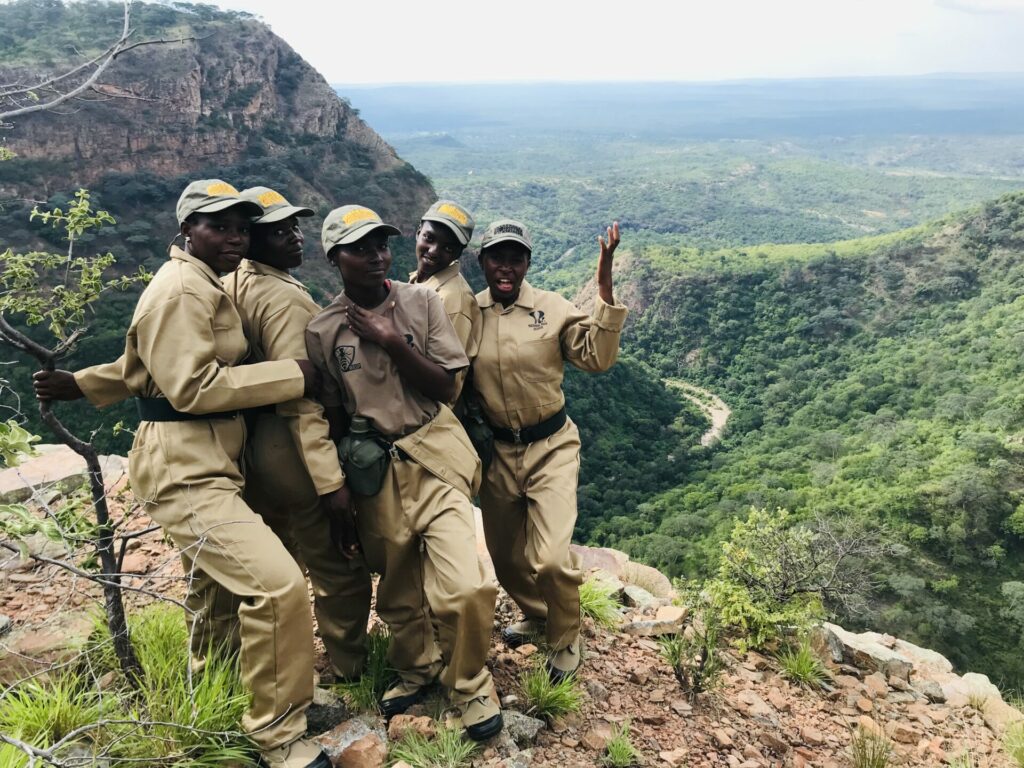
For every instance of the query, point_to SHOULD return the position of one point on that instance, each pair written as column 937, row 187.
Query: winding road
column 711, row 404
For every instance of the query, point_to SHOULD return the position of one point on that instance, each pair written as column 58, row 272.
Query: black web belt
column 524, row 435
column 158, row 409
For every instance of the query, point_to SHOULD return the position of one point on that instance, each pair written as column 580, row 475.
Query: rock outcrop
column 755, row 718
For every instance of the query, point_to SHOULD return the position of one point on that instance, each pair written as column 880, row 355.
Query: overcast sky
column 389, row 41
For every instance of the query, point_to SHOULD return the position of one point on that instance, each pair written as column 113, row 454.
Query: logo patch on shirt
column 538, row 319
column 410, row 340
column 346, row 356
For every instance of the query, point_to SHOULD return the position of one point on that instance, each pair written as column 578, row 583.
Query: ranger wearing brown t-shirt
column 389, row 353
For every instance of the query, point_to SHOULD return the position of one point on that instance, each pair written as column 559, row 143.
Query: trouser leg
column 457, row 591
column 280, row 490
column 393, row 550
column 212, row 613
column 188, row 470
column 552, row 472
column 504, row 511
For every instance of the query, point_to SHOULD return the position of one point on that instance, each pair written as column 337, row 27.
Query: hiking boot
column 400, row 697
column 301, row 753
column 481, row 718
column 522, row 632
column 564, row 663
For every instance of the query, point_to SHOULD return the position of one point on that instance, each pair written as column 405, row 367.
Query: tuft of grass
column 801, row 665
column 448, row 749
column 365, row 695
column 620, row 752
column 1013, row 742
column 870, row 750
column 174, row 718
column 597, row 600
column 546, row 699
column 978, row 701
column 41, row 714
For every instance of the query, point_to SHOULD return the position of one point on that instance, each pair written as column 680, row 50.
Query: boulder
column 638, row 597
column 33, row 648
column 57, row 469
column 868, row 650
column 337, row 742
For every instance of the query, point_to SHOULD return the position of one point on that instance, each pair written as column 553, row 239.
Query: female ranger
column 182, row 364
column 444, row 232
column 528, row 494
column 389, row 356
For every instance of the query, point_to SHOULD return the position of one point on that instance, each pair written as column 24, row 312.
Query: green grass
column 597, row 600
column 619, row 751
column 448, row 749
column 870, row 750
column 365, row 695
column 175, row 718
column 1013, row 743
column 546, row 699
column 801, row 665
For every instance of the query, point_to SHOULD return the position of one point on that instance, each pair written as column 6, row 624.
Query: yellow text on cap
column 359, row 214
column 270, row 197
column 221, row 188
column 456, row 213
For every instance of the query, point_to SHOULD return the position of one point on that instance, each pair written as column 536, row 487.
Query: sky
column 395, row 41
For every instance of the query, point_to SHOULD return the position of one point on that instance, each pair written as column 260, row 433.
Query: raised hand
column 604, row 263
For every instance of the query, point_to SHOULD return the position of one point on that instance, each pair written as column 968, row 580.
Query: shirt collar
column 439, row 278
column 202, row 266
column 259, row 268
column 380, row 309
column 525, row 299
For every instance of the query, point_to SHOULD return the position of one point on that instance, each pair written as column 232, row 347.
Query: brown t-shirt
column 361, row 376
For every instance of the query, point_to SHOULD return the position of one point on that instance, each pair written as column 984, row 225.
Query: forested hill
column 880, row 378
column 225, row 98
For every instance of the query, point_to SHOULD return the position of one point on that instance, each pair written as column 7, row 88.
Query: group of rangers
column 278, row 439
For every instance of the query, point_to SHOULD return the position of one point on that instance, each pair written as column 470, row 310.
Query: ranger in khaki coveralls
column 388, row 354
column 444, row 232
column 181, row 362
column 528, row 494
column 290, row 458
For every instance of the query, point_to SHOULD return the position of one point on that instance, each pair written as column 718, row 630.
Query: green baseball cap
column 506, row 229
column 275, row 207
column 453, row 216
column 210, row 196
column 349, row 223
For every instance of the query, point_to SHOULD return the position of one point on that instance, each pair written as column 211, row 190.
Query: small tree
column 56, row 290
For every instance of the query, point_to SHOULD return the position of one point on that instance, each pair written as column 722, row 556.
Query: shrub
column 695, row 655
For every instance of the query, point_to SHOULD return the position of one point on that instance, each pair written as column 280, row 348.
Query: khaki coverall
column 528, row 495
column 291, row 462
column 461, row 307
column 418, row 531
column 185, row 344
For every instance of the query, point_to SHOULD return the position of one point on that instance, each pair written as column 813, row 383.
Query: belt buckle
column 393, row 450
column 517, row 436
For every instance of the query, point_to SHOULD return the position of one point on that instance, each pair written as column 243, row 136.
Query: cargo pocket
column 146, row 471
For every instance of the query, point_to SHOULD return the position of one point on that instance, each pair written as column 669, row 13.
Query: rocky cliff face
column 236, row 102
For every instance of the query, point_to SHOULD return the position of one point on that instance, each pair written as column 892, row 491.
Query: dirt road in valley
column 711, row 404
